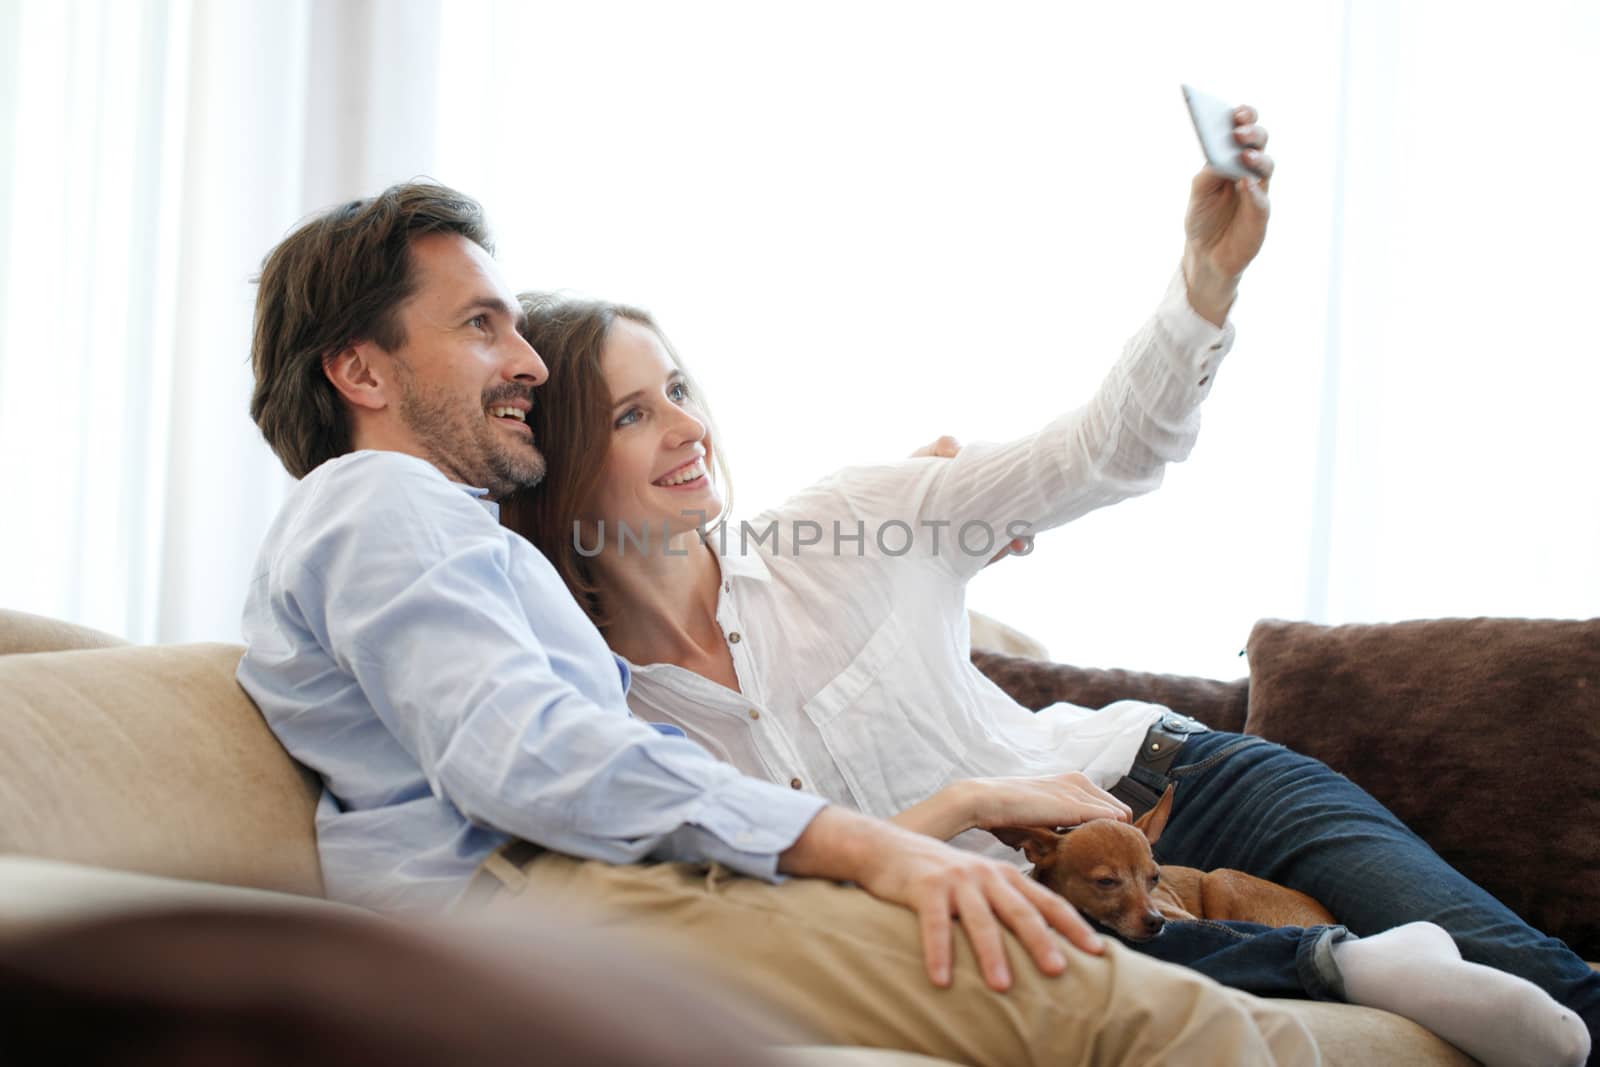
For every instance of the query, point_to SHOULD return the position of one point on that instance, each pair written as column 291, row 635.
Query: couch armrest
column 320, row 987
column 1480, row 734
column 36, row 893
column 1036, row 684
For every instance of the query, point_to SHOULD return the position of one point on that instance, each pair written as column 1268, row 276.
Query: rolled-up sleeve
column 1144, row 415
column 430, row 620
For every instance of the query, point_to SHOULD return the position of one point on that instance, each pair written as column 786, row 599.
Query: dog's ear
column 1154, row 821
column 1036, row 842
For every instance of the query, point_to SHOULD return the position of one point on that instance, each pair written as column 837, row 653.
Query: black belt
column 1143, row 785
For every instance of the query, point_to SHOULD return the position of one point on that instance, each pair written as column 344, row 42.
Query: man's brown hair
column 339, row 279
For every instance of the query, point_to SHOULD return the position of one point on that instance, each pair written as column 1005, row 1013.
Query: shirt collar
column 735, row 564
column 482, row 497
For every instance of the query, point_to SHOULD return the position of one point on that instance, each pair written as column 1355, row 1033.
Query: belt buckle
column 1176, row 723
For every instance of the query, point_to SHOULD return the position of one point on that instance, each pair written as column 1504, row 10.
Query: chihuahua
column 1106, row 870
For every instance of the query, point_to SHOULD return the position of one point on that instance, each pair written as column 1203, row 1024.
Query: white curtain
column 864, row 225
column 869, row 224
column 1461, row 424
column 156, row 149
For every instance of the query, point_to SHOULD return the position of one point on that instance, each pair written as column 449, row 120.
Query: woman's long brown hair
column 571, row 421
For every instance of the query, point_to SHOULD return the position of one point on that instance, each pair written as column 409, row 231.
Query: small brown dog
column 1106, row 870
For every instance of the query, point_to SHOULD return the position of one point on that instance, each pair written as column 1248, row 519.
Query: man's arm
column 428, row 610
column 408, row 585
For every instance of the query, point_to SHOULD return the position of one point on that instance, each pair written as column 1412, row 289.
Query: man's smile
column 515, row 414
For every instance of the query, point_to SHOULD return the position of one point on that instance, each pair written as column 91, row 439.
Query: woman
column 843, row 669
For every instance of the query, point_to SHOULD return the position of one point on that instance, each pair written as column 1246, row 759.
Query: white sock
column 1502, row 1020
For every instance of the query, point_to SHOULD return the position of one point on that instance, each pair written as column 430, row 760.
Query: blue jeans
column 1254, row 806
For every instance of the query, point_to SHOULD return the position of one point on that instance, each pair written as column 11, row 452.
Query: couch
column 141, row 777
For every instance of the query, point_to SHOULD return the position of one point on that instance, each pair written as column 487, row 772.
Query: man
column 431, row 667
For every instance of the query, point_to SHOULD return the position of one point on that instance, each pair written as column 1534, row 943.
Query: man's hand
column 940, row 883
column 1226, row 222
column 947, row 447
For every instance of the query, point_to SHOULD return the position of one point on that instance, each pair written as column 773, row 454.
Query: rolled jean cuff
column 1318, row 971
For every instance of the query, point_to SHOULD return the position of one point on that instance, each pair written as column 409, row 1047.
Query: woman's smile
column 690, row 475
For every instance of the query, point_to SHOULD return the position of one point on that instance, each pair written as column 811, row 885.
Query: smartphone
column 1213, row 124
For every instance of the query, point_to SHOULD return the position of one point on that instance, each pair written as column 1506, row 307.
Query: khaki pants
column 849, row 968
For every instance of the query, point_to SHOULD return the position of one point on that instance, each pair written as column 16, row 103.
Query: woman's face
column 659, row 466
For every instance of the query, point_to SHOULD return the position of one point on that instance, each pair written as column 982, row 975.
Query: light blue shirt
column 431, row 666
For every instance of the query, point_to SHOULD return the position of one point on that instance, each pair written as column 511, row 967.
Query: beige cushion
column 36, row 892
column 151, row 759
column 22, row 632
column 1348, row 1036
column 992, row 635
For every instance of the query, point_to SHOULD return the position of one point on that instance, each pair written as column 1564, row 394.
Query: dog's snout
column 1154, row 923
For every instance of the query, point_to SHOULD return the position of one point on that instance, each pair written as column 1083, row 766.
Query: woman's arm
column 1145, row 414
column 1226, row 223
column 984, row 803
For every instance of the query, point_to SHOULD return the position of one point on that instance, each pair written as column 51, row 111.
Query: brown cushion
column 150, row 759
column 1036, row 684
column 22, row 632
column 1482, row 735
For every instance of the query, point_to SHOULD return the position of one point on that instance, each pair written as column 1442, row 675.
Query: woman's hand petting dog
column 986, row 803
column 1051, row 800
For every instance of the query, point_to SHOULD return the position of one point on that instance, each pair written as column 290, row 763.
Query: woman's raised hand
column 1227, row 222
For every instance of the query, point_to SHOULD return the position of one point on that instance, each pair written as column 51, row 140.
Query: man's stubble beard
column 469, row 449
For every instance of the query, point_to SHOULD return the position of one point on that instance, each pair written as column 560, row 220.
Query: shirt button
column 754, row 714
column 727, row 587
column 1206, row 379
column 733, row 638
column 794, row 783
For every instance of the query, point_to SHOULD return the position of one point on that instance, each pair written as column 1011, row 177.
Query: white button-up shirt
column 845, row 612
